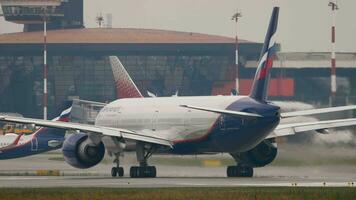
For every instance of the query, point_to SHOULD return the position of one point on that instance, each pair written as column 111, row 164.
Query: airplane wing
column 91, row 129
column 221, row 111
column 317, row 111
column 293, row 128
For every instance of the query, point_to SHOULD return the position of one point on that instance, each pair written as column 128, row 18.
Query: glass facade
column 25, row 10
column 90, row 78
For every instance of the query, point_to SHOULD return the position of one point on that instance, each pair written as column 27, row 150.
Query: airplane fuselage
column 193, row 131
column 8, row 139
column 30, row 144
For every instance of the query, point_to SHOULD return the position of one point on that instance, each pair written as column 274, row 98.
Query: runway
column 72, row 181
column 287, row 170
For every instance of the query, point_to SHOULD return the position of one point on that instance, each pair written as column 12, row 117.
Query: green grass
column 242, row 193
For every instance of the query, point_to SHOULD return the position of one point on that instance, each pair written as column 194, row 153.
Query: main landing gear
column 117, row 171
column 239, row 171
column 143, row 171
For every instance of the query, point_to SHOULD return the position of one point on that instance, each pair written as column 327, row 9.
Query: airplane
column 42, row 140
column 243, row 126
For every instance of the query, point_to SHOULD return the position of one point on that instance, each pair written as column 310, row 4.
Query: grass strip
column 240, row 193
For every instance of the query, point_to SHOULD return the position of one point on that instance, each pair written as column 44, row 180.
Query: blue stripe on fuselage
column 233, row 134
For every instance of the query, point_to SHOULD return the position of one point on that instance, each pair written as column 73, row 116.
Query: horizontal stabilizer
column 291, row 129
column 227, row 112
column 317, row 111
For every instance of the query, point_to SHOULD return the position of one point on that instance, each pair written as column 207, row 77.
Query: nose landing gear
column 117, row 171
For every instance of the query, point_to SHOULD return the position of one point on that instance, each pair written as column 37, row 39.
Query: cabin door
column 34, row 144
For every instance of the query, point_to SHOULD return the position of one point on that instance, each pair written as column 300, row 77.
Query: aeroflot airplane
column 42, row 140
column 243, row 126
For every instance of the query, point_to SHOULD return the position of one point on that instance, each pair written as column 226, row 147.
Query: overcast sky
column 304, row 24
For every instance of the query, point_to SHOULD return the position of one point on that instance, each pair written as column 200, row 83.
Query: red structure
column 278, row 87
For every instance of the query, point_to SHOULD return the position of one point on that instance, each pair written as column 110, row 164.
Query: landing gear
column 239, row 171
column 143, row 171
column 117, row 171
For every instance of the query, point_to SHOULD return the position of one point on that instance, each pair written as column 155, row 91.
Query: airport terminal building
column 159, row 61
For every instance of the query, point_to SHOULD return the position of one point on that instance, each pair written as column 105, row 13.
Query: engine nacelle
column 80, row 152
column 263, row 154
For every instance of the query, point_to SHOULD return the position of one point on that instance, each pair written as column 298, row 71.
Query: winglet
column 125, row 87
column 259, row 88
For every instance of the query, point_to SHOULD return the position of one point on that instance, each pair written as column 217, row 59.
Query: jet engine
column 263, row 154
column 80, row 152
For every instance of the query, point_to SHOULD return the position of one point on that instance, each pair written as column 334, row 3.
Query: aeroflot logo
column 266, row 62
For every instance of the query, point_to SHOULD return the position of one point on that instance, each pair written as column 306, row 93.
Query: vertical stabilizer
column 45, row 134
column 125, row 87
column 64, row 112
column 259, row 88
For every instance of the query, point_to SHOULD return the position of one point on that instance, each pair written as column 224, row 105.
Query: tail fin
column 125, row 87
column 53, row 134
column 259, row 88
column 17, row 140
column 65, row 111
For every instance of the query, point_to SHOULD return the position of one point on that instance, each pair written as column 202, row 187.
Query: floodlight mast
column 45, row 67
column 334, row 8
column 236, row 17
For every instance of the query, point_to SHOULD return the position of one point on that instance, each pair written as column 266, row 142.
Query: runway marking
column 23, row 178
column 47, row 182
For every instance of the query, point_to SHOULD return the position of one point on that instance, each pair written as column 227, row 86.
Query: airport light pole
column 236, row 17
column 45, row 67
column 334, row 8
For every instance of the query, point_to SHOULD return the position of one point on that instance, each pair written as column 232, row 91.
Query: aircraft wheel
column 239, row 171
column 135, row 172
column 143, row 172
column 114, row 172
column 120, row 171
column 246, row 172
column 151, row 171
column 231, row 171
